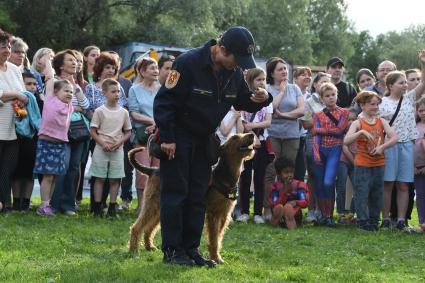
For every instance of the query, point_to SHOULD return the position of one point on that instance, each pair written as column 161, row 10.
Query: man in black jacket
column 200, row 89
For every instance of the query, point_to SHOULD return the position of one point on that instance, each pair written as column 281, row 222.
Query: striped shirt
column 10, row 81
column 84, row 102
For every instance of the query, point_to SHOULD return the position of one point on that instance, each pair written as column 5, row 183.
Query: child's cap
column 365, row 95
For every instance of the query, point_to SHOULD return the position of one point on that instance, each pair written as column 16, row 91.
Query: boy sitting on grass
column 110, row 127
column 287, row 196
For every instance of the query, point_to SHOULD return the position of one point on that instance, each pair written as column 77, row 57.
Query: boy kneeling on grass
column 110, row 127
column 287, row 196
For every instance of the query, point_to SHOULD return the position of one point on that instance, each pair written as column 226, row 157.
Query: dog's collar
column 229, row 193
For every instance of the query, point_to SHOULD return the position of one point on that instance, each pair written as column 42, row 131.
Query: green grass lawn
column 83, row 249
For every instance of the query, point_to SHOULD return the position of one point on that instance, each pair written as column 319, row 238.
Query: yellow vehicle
column 133, row 51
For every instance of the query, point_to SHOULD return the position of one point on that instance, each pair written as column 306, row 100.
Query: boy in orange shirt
column 368, row 181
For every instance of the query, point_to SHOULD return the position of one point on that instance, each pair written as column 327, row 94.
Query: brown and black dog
column 221, row 196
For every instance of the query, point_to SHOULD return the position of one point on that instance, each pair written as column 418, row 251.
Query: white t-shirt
column 259, row 117
column 405, row 124
column 111, row 123
column 226, row 121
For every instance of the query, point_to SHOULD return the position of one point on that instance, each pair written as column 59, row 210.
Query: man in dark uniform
column 202, row 86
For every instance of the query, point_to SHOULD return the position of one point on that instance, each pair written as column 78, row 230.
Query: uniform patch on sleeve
column 172, row 79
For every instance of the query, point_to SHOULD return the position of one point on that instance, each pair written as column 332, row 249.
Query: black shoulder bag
column 396, row 111
column 330, row 116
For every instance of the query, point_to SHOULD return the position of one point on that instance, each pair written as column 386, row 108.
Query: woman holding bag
column 11, row 85
column 63, row 199
column 140, row 106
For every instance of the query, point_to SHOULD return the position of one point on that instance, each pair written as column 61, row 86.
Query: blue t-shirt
column 140, row 100
column 283, row 128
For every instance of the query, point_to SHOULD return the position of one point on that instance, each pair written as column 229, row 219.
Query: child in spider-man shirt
column 287, row 196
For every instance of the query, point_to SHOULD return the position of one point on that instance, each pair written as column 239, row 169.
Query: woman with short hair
column 11, row 87
column 140, row 106
column 63, row 199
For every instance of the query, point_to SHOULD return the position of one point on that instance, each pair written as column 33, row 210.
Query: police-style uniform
column 187, row 110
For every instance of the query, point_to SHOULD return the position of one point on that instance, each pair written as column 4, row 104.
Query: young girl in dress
column 52, row 145
column 257, row 123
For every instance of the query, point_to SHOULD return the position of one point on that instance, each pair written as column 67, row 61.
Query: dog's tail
column 142, row 168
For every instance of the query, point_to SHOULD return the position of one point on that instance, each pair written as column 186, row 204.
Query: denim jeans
column 325, row 172
column 368, row 186
column 344, row 171
column 63, row 197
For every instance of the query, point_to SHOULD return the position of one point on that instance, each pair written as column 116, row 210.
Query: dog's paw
column 218, row 259
column 132, row 251
column 151, row 248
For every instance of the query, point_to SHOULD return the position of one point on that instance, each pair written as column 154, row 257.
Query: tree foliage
column 331, row 30
column 305, row 32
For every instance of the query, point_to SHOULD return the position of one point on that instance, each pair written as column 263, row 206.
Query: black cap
column 334, row 61
column 239, row 41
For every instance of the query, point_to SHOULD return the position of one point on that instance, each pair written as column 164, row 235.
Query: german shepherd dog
column 221, row 195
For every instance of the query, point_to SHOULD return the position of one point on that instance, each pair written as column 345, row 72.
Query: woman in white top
column 11, row 85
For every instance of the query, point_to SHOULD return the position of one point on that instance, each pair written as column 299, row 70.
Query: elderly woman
column 140, row 105
column 18, row 52
column 11, row 85
column 38, row 66
column 63, row 199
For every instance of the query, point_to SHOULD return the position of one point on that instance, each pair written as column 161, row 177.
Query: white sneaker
column 69, row 213
column 243, row 218
column 311, row 216
column 126, row 205
column 267, row 215
column 258, row 219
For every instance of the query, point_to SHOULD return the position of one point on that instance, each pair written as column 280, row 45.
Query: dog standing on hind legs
column 221, row 196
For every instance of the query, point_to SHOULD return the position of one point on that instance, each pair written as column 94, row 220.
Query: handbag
column 395, row 113
column 154, row 145
column 78, row 130
column 141, row 135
